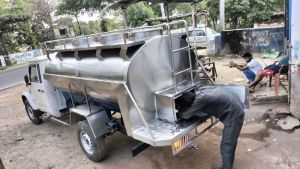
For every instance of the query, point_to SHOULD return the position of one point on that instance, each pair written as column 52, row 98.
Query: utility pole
column 162, row 10
column 194, row 16
column 222, row 14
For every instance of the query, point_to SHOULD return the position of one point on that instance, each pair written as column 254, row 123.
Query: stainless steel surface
column 59, row 121
column 104, row 39
column 131, row 82
column 164, row 133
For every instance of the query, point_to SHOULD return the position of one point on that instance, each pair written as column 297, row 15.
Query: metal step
column 60, row 121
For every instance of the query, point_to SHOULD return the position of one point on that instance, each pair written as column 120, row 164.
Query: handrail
column 100, row 35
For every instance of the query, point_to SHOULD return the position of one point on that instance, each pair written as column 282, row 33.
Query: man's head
column 185, row 100
column 247, row 56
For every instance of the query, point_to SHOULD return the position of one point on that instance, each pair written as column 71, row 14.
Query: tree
column 15, row 28
column 66, row 21
column 241, row 13
column 244, row 13
column 213, row 10
column 71, row 7
column 138, row 13
column 104, row 25
column 77, row 7
column 42, row 24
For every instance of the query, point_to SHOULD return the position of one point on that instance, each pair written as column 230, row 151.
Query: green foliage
column 244, row 13
column 65, row 21
column 15, row 28
column 88, row 28
column 110, row 25
column 69, row 7
column 213, row 9
column 41, row 23
column 138, row 13
column 104, row 25
column 241, row 13
column 2, row 68
column 76, row 7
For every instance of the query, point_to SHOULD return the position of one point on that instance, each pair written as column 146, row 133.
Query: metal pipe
column 87, row 41
column 167, row 12
column 87, row 100
column 185, row 70
column 189, row 53
column 180, row 49
column 72, row 98
column 206, row 34
column 65, row 44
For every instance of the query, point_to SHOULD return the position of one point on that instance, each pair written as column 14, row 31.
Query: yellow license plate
column 180, row 144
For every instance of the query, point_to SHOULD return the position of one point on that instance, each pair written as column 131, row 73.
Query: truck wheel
column 34, row 115
column 94, row 148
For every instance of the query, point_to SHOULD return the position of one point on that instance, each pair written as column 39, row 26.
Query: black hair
column 185, row 101
column 247, row 55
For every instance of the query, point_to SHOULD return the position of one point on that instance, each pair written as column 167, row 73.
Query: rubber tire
column 36, row 114
column 100, row 150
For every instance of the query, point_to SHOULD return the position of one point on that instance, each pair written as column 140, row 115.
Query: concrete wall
column 254, row 40
column 22, row 57
column 294, row 57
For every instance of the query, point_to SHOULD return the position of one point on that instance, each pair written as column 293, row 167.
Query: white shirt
column 254, row 66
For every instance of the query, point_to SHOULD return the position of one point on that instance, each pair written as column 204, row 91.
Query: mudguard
column 98, row 123
column 27, row 96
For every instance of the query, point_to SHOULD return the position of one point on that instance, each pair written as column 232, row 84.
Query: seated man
column 271, row 70
column 222, row 104
column 250, row 69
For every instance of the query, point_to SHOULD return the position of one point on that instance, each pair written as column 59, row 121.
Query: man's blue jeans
column 250, row 75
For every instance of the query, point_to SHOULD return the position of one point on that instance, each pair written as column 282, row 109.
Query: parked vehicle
column 124, row 81
column 202, row 37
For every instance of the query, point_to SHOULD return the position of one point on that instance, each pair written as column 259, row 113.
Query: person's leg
column 229, row 141
column 250, row 75
column 260, row 75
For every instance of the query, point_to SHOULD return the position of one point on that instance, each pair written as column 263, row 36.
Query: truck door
column 37, row 88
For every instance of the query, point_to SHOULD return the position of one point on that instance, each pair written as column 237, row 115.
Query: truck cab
column 40, row 95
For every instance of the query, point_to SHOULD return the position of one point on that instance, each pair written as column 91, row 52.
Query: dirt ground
column 54, row 146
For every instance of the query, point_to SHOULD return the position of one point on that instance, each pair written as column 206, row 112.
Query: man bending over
column 222, row 104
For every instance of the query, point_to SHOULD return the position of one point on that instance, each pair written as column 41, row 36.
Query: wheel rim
column 86, row 142
column 30, row 112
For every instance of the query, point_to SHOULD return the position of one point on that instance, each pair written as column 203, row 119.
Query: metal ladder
column 188, row 48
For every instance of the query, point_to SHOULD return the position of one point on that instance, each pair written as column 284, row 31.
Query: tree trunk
column 4, row 51
column 51, row 36
column 234, row 22
column 214, row 23
column 78, row 24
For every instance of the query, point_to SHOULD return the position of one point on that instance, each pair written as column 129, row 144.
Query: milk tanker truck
column 124, row 81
